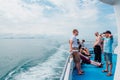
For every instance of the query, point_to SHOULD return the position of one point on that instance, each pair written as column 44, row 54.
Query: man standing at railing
column 74, row 48
column 97, row 47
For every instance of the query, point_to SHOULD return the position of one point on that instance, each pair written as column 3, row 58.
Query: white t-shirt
column 75, row 42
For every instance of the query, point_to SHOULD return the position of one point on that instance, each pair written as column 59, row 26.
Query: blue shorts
column 108, row 57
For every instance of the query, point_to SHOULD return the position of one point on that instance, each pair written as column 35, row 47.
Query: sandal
column 105, row 71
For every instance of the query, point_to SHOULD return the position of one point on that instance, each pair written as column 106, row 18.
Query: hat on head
column 109, row 32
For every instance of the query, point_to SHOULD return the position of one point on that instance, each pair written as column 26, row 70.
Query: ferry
column 92, row 73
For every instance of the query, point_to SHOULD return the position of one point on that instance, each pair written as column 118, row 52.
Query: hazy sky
column 55, row 17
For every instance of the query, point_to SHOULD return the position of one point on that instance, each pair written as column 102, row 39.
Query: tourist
column 107, row 49
column 74, row 49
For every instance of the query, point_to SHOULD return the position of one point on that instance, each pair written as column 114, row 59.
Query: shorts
column 76, row 57
column 108, row 57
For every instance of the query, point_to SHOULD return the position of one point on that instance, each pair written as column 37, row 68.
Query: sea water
column 33, row 59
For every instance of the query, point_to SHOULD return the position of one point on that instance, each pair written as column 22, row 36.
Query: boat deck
column 93, row 72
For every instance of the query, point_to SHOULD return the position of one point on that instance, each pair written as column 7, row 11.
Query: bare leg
column 78, row 68
column 110, row 68
column 106, row 70
column 95, row 63
column 107, row 66
column 87, row 51
column 110, row 72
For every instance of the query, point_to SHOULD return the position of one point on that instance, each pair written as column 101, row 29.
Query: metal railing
column 67, row 71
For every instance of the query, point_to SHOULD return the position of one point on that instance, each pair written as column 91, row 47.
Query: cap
column 109, row 32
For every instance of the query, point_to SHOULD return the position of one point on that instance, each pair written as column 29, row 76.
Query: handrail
column 67, row 65
column 65, row 68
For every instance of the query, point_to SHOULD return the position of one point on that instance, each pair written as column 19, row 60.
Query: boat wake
column 49, row 69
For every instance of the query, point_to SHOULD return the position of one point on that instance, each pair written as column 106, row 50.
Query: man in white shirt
column 74, row 49
column 97, row 48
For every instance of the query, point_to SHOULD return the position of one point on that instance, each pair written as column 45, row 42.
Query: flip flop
column 80, row 73
column 104, row 71
column 109, row 74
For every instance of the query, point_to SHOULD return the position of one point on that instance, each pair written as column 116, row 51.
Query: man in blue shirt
column 107, row 49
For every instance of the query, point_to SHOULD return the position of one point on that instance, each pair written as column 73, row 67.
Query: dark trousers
column 97, row 52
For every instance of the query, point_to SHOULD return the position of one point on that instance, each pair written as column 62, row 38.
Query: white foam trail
column 48, row 70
